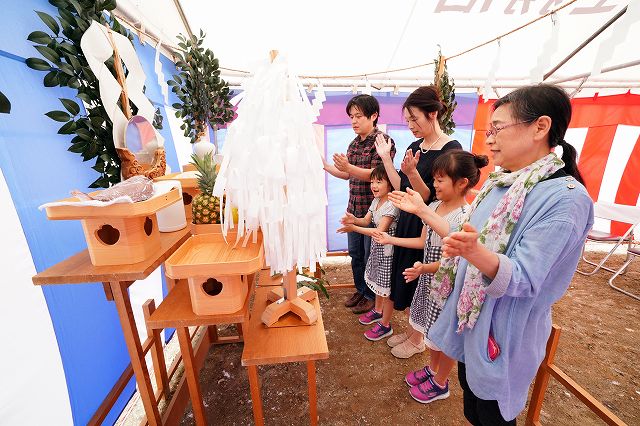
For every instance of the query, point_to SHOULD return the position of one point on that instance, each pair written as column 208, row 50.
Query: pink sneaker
column 378, row 332
column 414, row 378
column 429, row 391
column 370, row 317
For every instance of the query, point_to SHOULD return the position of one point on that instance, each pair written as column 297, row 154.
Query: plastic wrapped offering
column 138, row 188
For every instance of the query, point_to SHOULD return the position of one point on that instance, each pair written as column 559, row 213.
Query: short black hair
column 367, row 104
column 379, row 172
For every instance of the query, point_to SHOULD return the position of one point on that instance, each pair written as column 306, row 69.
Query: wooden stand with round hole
column 121, row 241
column 217, row 270
column 220, row 295
column 118, row 234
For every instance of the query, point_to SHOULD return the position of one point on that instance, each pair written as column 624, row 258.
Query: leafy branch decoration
column 203, row 95
column 67, row 66
column 447, row 92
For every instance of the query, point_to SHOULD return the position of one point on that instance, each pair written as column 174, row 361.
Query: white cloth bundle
column 272, row 170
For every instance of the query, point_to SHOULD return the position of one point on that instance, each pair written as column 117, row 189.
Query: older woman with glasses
column 513, row 258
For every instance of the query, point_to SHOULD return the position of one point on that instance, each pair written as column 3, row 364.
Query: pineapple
column 205, row 207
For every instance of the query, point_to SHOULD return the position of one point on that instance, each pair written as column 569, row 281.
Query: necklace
column 424, row 151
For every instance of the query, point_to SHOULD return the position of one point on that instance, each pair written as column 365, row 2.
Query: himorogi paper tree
column 272, row 170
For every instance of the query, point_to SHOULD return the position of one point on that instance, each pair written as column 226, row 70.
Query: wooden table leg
column 157, row 352
column 191, row 373
column 128, row 324
column 254, row 384
column 313, row 395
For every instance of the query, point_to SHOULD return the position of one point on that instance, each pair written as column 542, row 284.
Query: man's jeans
column 359, row 246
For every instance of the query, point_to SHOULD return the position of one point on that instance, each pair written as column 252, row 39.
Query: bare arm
column 359, row 173
column 430, row 268
column 332, row 170
column 414, row 243
column 434, row 220
column 409, row 168
column 383, row 148
column 350, row 219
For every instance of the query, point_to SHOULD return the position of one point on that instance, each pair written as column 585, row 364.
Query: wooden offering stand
column 118, row 234
column 289, row 299
column 217, row 271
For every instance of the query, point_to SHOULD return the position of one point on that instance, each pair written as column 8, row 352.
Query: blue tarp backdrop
column 38, row 169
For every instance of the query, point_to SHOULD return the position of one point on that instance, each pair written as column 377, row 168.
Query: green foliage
column 207, row 172
column 314, row 283
column 5, row 105
column 67, row 66
column 447, row 91
column 204, row 96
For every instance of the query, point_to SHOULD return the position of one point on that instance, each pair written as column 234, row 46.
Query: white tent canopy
column 366, row 39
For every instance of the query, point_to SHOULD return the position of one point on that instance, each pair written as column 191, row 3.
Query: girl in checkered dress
column 383, row 214
column 454, row 173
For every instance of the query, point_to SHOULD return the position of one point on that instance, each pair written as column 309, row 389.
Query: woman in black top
column 422, row 110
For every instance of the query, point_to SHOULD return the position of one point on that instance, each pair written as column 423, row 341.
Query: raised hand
column 410, row 201
column 411, row 274
column 410, row 162
column 383, row 147
column 341, row 162
column 461, row 243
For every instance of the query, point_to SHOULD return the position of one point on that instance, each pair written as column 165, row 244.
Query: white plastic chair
column 618, row 213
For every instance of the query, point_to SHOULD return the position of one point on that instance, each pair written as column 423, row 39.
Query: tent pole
column 584, row 43
column 184, row 18
column 604, row 70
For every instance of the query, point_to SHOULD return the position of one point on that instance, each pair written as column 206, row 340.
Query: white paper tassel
column 272, row 169
column 548, row 50
column 492, row 73
column 617, row 36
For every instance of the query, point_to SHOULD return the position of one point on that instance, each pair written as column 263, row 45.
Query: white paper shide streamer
column 97, row 48
column 491, row 78
column 549, row 48
column 272, row 169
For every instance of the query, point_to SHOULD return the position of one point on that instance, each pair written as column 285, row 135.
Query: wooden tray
column 121, row 210
column 209, row 254
column 186, row 182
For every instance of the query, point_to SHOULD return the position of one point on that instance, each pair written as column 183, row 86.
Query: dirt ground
column 362, row 383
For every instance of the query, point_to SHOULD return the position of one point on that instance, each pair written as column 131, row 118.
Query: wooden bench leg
column 157, row 352
column 542, row 379
column 191, row 373
column 128, row 324
column 254, row 384
column 313, row 395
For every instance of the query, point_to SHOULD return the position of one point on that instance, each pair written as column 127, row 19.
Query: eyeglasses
column 493, row 130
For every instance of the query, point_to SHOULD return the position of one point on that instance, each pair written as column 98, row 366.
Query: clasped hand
column 341, row 162
column 348, row 221
column 462, row 243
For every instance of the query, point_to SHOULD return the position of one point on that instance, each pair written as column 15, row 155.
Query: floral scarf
column 494, row 235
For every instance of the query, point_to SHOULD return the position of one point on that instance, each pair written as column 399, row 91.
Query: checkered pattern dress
column 424, row 312
column 378, row 271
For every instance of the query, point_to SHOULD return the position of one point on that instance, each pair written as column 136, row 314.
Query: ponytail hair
column 459, row 164
column 569, row 157
column 531, row 102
